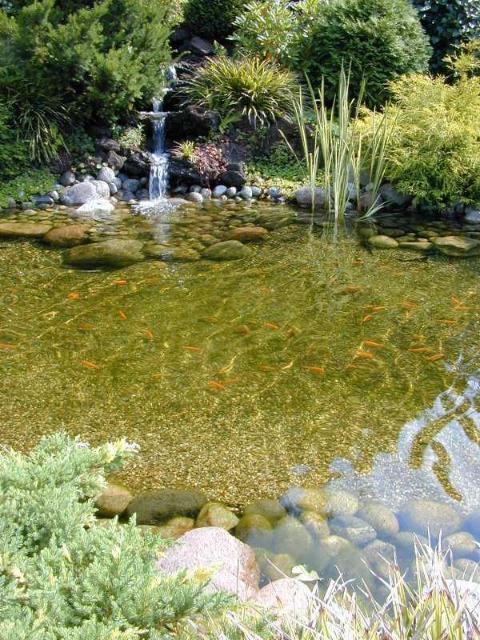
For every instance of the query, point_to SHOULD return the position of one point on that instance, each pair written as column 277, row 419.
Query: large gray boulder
column 80, row 193
column 158, row 505
column 102, row 188
column 233, row 563
column 109, row 253
column 457, row 246
column 305, row 196
column 106, row 174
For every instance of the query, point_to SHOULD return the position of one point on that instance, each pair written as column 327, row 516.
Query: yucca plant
column 249, row 88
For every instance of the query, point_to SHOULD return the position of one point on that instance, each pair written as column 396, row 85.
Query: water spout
column 159, row 167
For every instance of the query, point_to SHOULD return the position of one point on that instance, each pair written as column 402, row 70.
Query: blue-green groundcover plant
column 65, row 577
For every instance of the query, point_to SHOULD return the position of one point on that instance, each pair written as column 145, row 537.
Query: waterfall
column 159, row 166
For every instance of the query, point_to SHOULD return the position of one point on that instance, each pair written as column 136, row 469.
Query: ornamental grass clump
column 245, row 88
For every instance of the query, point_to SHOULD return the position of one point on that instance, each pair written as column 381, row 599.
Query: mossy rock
column 272, row 510
column 215, row 514
column 70, row 235
column 316, row 523
column 24, row 229
column 457, row 246
column 175, row 527
column 228, row 250
column 109, row 253
column 279, row 566
column 157, row 506
column 382, row 242
column 298, row 499
column 254, row 529
column 341, row 502
column 293, row 538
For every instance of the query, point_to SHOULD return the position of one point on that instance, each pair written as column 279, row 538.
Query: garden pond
column 342, row 378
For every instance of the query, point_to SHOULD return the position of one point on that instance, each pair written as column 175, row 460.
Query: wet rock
column 272, row 510
column 102, row 188
column 462, row 544
column 191, row 122
column 181, row 254
column 200, row 47
column 341, row 502
column 274, row 193
column 195, row 197
column 249, row 234
column 115, row 160
column 40, row 201
column 359, row 532
column 80, row 193
column 206, row 193
column 406, row 541
column 113, row 188
column 246, row 193
column 106, row 174
column 382, row 242
column 131, row 184
column 108, row 253
column 67, row 236
column 333, row 545
column 97, row 208
column 227, row 250
column 254, row 529
column 380, row 517
column 137, row 164
column 23, row 229
column 393, row 197
column 299, row 499
column 292, row 537
column 316, row 523
column 424, row 516
column 127, row 196
column 457, row 246
column 256, row 192
column 287, row 597
column 175, row 527
column 142, row 194
column 391, row 232
column 380, row 556
column 305, row 196
column 158, row 505
column 233, row 563
column 472, row 215
column 272, row 220
column 214, row 514
column 113, row 501
column 278, row 565
column 219, row 191
column 233, row 179
column 367, row 232
column 231, row 192
column 67, row 179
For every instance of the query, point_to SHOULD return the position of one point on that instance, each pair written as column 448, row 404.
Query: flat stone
column 419, row 247
column 95, row 208
column 228, row 250
column 108, row 253
column 113, row 501
column 457, row 246
column 157, row 505
column 249, row 234
column 69, row 235
column 23, row 229
column 235, row 569
column 287, row 597
column 354, row 529
column 341, row 502
column 382, row 242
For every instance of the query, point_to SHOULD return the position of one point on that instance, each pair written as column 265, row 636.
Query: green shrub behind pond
column 212, row 19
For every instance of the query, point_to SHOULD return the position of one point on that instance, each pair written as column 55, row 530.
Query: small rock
column 233, row 563
column 305, row 196
column 380, row 556
column 341, row 502
column 44, row 200
column 127, row 196
column 380, row 518
column 472, row 215
column 233, row 179
column 67, row 179
column 428, row 516
column 359, row 532
column 276, row 566
column 200, row 46
column 382, row 242
column 175, row 527
column 80, row 193
column 106, row 174
column 292, row 537
column 158, row 505
column 393, row 197
column 131, row 184
column 113, row 501
column 275, row 193
column 457, row 246
column 194, row 197
column 462, row 544
column 298, row 499
column 97, row 208
column 219, row 191
column 256, row 192
column 254, row 529
column 407, row 541
column 113, row 188
column 227, row 250
column 231, row 192
column 272, row 510
column 206, row 193
column 109, row 253
column 102, row 188
column 316, row 523
column 249, row 234
column 115, row 160
column 214, row 514
column 287, row 597
column 69, row 235
column 246, row 193
column 23, row 229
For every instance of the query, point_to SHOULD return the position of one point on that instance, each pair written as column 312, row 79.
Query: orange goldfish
column 86, row 326
column 292, row 332
column 367, row 318
column 122, row 315
column 243, row 330
column 351, row 289
column 74, row 295
column 188, row 347
column 448, row 321
column 364, row 355
column 409, row 305
column 89, row 365
column 437, row 356
column 119, row 283
column 319, row 371
column 148, row 334
column 420, row 350
column 7, row 346
column 372, row 343
column 218, row 386
column 271, row 325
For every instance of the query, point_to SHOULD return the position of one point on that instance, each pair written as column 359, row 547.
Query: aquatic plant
column 184, row 150
column 249, row 88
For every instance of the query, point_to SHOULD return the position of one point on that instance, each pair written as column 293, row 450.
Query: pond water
column 306, row 364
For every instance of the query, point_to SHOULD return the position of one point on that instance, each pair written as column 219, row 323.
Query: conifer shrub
column 65, row 577
column 434, row 148
column 212, row 19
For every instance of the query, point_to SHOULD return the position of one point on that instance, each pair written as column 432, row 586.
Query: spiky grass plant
column 250, row 88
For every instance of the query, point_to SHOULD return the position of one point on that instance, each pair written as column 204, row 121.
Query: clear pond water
column 307, row 364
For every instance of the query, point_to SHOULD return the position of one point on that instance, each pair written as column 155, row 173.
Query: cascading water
column 159, row 167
